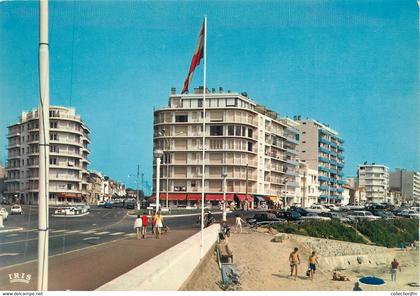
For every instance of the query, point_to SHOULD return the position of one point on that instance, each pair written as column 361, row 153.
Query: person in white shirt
column 238, row 223
column 137, row 226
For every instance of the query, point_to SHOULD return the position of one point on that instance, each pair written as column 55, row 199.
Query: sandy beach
column 263, row 265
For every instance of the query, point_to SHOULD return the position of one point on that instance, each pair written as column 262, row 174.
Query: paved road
column 70, row 234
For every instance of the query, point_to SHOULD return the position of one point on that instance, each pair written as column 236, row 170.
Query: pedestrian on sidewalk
column 145, row 222
column 158, row 224
column 154, row 217
column 313, row 261
column 238, row 223
column 395, row 265
column 137, row 226
column 294, row 261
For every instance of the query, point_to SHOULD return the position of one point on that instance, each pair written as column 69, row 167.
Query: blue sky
column 350, row 64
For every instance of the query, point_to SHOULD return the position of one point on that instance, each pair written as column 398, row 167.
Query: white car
column 4, row 213
column 332, row 207
column 315, row 216
column 317, row 209
column 16, row 210
column 362, row 215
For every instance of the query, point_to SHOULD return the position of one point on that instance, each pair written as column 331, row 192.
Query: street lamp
column 285, row 193
column 158, row 154
column 224, row 175
column 162, row 133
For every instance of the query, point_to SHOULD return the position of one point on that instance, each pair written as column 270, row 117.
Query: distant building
column 374, row 178
column 3, row 176
column 68, row 161
column 321, row 148
column 307, row 192
column 252, row 144
column 407, row 183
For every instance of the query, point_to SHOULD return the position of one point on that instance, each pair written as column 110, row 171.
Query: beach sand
column 263, row 265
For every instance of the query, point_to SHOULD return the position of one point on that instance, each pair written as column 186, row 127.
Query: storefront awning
column 171, row 196
column 219, row 196
column 69, row 195
column 241, row 197
column 259, row 198
column 194, row 196
column 272, row 198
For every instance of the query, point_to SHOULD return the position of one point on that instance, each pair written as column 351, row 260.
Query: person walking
column 395, row 265
column 158, row 224
column 154, row 217
column 145, row 221
column 294, row 261
column 137, row 226
column 313, row 261
column 238, row 223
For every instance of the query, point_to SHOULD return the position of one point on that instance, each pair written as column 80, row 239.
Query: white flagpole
column 44, row 139
column 204, row 141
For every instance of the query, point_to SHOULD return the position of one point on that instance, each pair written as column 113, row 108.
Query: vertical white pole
column 157, row 182
column 44, row 139
column 204, row 140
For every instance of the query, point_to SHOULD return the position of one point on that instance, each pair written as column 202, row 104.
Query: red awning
column 171, row 196
column 194, row 196
column 219, row 196
column 242, row 197
column 69, row 195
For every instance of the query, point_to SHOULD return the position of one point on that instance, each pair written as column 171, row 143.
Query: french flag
column 198, row 55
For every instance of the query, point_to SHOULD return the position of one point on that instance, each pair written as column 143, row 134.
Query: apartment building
column 68, row 159
column 307, row 192
column 374, row 178
column 407, row 183
column 246, row 143
column 321, row 148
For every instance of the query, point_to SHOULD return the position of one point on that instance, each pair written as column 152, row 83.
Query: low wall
column 170, row 269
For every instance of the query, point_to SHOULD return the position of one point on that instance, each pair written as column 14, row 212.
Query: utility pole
column 246, row 186
column 137, row 189
column 304, row 190
column 44, row 149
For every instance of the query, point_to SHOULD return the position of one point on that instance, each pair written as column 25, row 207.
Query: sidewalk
column 10, row 229
column 93, row 266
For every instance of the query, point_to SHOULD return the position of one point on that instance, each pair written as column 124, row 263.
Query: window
column 193, row 184
column 53, row 124
column 250, row 133
column 238, row 130
column 216, row 130
column 53, row 160
column 231, row 130
column 181, row 118
column 250, row 146
column 200, row 103
column 53, row 136
column 69, row 186
column 230, row 102
column 304, row 133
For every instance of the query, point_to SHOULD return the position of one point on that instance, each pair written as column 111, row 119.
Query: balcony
column 323, row 178
column 323, row 188
column 340, row 156
column 323, row 159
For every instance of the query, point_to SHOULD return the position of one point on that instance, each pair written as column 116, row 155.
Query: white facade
column 307, row 192
column 374, row 178
column 69, row 139
column 407, row 183
column 242, row 138
column 321, row 148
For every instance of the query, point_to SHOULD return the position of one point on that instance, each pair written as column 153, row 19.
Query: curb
column 11, row 230
column 69, row 216
column 182, row 215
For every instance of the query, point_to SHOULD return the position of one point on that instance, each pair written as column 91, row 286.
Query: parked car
column 362, row 216
column 317, row 209
column 70, row 211
column 4, row 213
column 383, row 214
column 408, row 214
column 288, row 215
column 336, row 217
column 300, row 210
column 130, row 205
column 100, row 203
column 264, row 219
column 109, row 204
column 315, row 216
column 332, row 207
column 16, row 210
column 354, row 207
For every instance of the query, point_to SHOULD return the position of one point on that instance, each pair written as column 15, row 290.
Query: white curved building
column 69, row 140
